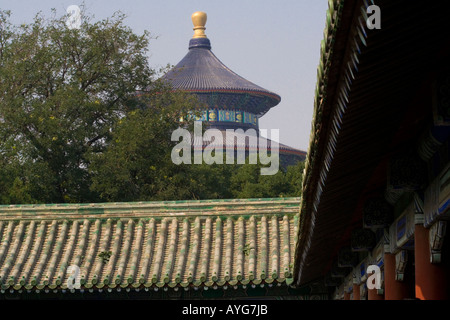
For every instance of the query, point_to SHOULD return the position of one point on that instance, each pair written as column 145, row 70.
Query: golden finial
column 199, row 21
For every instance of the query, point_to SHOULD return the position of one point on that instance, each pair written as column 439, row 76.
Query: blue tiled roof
column 200, row 71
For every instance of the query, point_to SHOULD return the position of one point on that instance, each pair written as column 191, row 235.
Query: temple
column 231, row 101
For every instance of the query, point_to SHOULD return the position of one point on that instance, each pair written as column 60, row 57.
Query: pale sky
column 274, row 44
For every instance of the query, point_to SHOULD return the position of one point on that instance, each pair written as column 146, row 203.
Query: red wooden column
column 356, row 292
column 372, row 294
column 431, row 279
column 393, row 289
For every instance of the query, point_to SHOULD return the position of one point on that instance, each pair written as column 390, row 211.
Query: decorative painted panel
column 212, row 115
column 239, row 116
column 362, row 239
column 247, row 117
column 401, row 232
column 227, row 115
column 406, row 172
column 347, row 258
column 377, row 213
column 203, row 116
column 252, row 118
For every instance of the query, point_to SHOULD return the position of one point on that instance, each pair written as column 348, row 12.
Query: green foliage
column 137, row 163
column 247, row 249
column 247, row 182
column 105, row 256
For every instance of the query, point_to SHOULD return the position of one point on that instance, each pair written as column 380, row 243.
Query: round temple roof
column 201, row 72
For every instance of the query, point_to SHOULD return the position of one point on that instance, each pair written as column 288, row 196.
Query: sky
column 274, row 44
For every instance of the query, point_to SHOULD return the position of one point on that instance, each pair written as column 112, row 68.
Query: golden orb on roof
column 199, row 21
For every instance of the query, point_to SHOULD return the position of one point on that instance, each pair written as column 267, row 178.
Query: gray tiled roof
column 201, row 70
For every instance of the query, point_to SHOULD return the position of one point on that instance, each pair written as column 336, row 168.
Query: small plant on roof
column 291, row 268
column 105, row 255
column 246, row 249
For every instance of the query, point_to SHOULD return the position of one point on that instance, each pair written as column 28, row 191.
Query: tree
column 246, row 182
column 61, row 92
column 294, row 176
column 137, row 164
